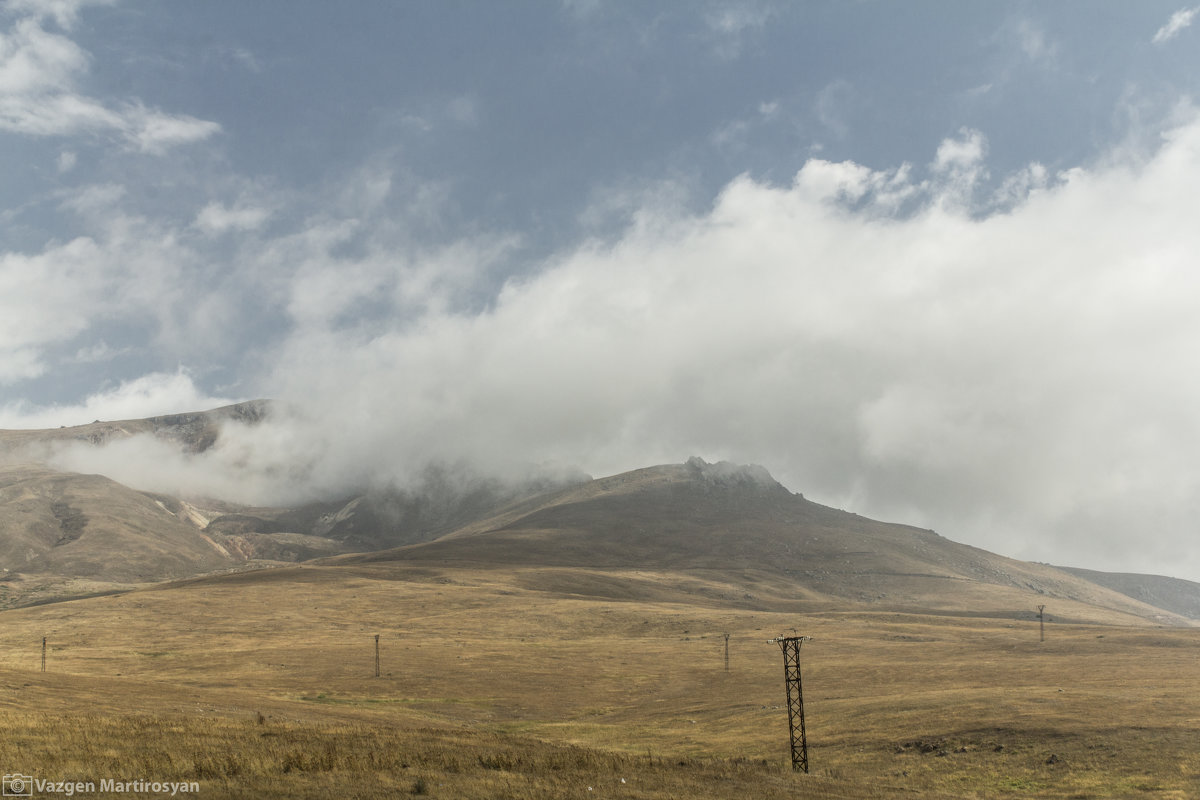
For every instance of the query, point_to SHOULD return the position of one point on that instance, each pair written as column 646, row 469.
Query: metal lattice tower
column 790, row 645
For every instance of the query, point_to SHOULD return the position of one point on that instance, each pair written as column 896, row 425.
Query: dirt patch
column 72, row 521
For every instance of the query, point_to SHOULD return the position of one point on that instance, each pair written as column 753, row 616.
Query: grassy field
column 494, row 685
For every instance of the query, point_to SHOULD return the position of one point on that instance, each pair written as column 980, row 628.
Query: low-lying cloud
column 1015, row 370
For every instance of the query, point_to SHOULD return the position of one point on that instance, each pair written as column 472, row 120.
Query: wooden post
column 377, row 655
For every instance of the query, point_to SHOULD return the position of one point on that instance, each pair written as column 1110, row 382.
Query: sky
column 930, row 262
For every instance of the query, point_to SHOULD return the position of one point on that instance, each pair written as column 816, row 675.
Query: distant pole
column 727, row 652
column 377, row 655
column 43, row 654
column 1042, row 622
column 790, row 645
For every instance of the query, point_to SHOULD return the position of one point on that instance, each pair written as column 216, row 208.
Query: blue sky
column 933, row 262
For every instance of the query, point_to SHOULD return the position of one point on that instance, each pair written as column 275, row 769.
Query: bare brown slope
column 727, row 520
column 440, row 499
column 88, row 526
column 1174, row 594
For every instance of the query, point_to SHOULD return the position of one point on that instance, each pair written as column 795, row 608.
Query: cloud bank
column 1014, row 368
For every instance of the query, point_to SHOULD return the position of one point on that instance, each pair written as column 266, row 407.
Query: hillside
column 263, row 684
column 64, row 533
column 193, row 431
column 608, row 636
column 739, row 525
column 1173, row 594
column 89, row 526
column 695, row 528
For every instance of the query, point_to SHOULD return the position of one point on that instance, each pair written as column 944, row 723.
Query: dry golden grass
column 244, row 758
column 494, row 687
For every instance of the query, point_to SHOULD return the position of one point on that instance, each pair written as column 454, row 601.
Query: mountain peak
column 727, row 473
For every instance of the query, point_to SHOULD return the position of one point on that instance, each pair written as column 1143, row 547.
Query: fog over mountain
column 981, row 321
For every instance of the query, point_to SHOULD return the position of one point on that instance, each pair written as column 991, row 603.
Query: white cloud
column 1020, row 186
column 19, row 362
column 731, row 134
column 95, row 202
column 34, row 62
column 735, row 134
column 145, row 461
column 154, row 132
column 737, row 16
column 630, row 203
column 151, row 277
column 1015, row 379
column 38, row 95
column 64, row 12
column 1180, row 20
column 1022, row 44
column 960, row 154
column 831, row 106
column 147, row 396
column 217, row 218
column 847, row 182
column 43, row 300
column 1034, row 42
column 97, row 352
column 235, row 56
column 56, row 115
column 445, row 113
column 730, row 22
column 959, row 167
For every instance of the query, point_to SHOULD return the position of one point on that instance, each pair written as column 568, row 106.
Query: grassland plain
column 503, row 682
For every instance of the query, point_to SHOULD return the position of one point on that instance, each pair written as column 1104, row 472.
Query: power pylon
column 790, row 645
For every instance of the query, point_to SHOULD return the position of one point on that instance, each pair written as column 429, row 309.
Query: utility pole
column 790, row 645
column 377, row 655
column 1042, row 622
column 727, row 652
column 43, row 654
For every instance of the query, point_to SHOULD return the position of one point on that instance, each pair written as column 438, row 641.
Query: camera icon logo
column 17, row 786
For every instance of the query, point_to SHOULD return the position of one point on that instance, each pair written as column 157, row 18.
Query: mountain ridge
column 1173, row 594
column 699, row 518
column 195, row 431
column 725, row 522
